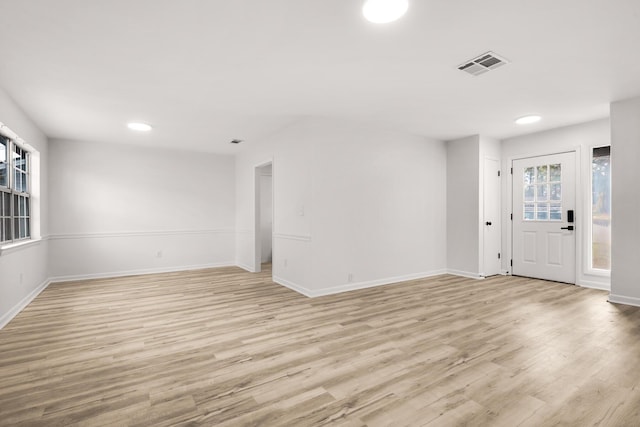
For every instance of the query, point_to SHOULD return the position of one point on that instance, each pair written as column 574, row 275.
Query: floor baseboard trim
column 107, row 275
column 296, row 288
column 621, row 299
column 375, row 283
column 594, row 285
column 467, row 274
column 245, row 267
column 16, row 309
column 313, row 293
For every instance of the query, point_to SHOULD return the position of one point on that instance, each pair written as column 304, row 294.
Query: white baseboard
column 296, row 288
column 107, row 275
column 467, row 274
column 13, row 312
column 620, row 299
column 312, row 293
column 594, row 285
column 245, row 267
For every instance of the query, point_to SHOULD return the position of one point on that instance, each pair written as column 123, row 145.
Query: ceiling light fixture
column 383, row 11
column 140, row 127
column 526, row 120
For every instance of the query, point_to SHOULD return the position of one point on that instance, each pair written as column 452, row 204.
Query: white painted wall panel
column 625, row 202
column 122, row 209
column 463, row 206
column 379, row 206
column 107, row 255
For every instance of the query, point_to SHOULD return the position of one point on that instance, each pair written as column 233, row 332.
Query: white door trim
column 580, row 218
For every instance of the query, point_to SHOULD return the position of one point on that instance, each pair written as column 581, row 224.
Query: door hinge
column 511, row 263
column 498, row 173
column 511, row 171
column 498, row 255
column 511, row 217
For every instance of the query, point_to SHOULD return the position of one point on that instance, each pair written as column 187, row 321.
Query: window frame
column 18, row 220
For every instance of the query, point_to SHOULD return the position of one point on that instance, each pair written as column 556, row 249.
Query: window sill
column 14, row 247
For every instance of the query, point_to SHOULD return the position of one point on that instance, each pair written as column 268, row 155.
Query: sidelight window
column 601, row 208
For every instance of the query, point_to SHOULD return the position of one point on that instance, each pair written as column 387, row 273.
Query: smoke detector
column 483, row 63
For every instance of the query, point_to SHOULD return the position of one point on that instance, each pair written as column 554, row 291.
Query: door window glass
column 543, row 184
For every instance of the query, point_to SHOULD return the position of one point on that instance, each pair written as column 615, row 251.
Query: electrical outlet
column 285, row 262
column 350, row 278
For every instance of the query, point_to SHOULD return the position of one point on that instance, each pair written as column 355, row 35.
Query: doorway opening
column 263, row 217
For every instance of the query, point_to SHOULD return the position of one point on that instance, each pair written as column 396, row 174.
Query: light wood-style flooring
column 223, row 347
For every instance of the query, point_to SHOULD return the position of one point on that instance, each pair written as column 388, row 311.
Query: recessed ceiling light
column 383, row 11
column 526, row 120
column 140, row 127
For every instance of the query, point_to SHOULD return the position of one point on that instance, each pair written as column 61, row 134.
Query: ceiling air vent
column 483, row 63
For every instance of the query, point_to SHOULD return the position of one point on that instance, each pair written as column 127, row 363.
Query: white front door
column 491, row 217
column 544, row 238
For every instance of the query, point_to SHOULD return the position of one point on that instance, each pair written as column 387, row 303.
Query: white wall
column 463, row 207
column 23, row 271
column 625, row 202
column 490, row 148
column 354, row 206
column 580, row 138
column 379, row 206
column 119, row 209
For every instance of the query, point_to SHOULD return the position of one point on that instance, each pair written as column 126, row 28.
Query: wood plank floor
column 227, row 348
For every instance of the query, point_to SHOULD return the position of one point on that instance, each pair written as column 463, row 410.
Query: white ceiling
column 203, row 72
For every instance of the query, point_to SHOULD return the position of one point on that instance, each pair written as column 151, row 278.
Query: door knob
column 570, row 227
column 488, row 222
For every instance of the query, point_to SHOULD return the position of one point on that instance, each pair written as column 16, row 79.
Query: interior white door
column 544, row 236
column 491, row 217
